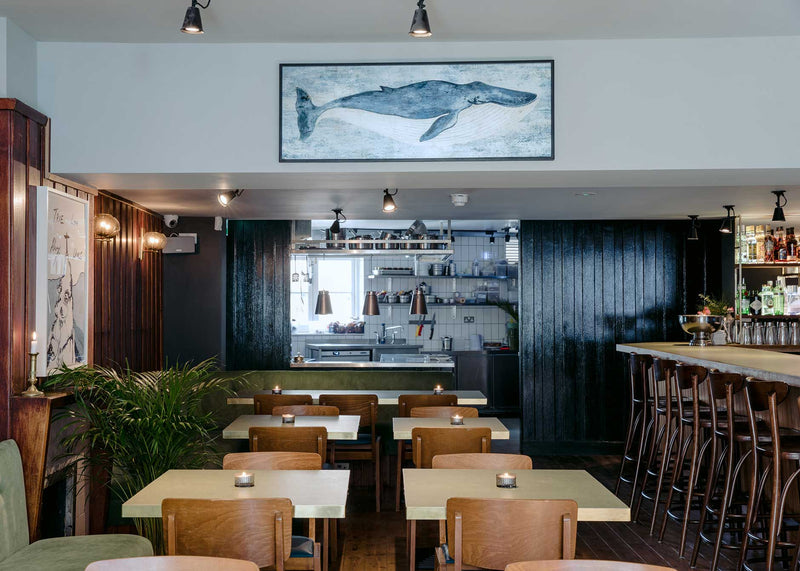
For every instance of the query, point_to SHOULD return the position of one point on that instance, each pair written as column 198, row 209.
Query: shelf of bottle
column 457, row 276
column 770, row 317
column 770, row 264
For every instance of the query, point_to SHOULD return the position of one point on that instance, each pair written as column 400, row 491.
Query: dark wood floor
column 376, row 541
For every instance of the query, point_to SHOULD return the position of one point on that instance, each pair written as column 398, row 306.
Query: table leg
column 325, row 544
column 411, row 532
column 399, row 479
column 334, row 539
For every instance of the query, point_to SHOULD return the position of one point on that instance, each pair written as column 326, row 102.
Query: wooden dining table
column 402, row 426
column 427, row 491
column 318, row 494
column 385, row 397
column 342, row 427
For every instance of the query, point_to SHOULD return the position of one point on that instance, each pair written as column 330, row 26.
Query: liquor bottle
column 778, row 299
column 755, row 302
column 744, row 303
column 780, row 245
column 769, row 246
column 759, row 244
column 750, row 239
column 767, row 299
column 791, row 245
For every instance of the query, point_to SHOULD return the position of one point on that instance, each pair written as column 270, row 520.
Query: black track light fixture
column 336, row 227
column 225, row 198
column 693, row 230
column 192, row 22
column 727, row 224
column 388, row 201
column 780, row 202
column 420, row 27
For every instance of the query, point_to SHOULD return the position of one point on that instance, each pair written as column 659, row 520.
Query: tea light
column 277, row 391
column 438, row 390
column 287, row 418
column 456, row 419
column 244, row 480
column 506, row 480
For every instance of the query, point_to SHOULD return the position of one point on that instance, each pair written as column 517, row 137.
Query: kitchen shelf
column 431, row 304
column 457, row 276
column 353, row 253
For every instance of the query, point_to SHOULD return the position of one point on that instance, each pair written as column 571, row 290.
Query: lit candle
column 438, row 390
column 506, row 480
column 287, row 418
column 456, row 419
column 244, row 480
column 277, row 390
column 34, row 343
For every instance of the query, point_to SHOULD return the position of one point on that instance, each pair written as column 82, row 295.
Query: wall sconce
column 152, row 242
column 106, row 227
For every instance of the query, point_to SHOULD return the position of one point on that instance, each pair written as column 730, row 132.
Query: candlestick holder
column 32, row 390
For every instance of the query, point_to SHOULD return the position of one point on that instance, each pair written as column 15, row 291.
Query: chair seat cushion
column 302, row 546
column 75, row 553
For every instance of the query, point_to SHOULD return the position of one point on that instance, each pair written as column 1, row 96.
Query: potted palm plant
column 138, row 425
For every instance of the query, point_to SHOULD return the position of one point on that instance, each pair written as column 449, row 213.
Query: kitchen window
column 343, row 277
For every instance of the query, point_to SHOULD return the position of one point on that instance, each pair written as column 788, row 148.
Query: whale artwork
column 445, row 111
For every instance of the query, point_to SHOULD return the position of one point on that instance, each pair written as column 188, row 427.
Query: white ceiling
column 388, row 20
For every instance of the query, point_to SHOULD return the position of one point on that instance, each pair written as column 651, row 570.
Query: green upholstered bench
column 57, row 554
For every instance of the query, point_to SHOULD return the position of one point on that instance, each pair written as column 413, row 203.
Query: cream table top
column 385, row 397
column 342, row 427
column 427, row 491
column 402, row 426
column 314, row 493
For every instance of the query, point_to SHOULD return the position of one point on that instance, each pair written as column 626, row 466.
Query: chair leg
column 756, row 487
column 657, row 432
column 632, row 418
column 690, row 486
column 644, row 427
column 680, row 458
column 662, row 472
column 399, row 479
column 711, row 480
column 377, row 455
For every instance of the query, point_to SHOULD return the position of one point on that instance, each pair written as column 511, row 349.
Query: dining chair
column 443, row 411
column 288, row 438
column 254, row 529
column 583, row 565
column 173, row 563
column 478, row 461
column 264, row 403
column 404, row 405
column 368, row 444
column 491, row 533
column 429, row 442
column 272, row 461
column 305, row 410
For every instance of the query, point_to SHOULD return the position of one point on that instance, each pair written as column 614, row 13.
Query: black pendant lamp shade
column 780, row 202
column 371, row 304
column 420, row 27
column 323, row 303
column 336, row 227
column 418, row 305
column 693, row 231
column 727, row 224
column 192, row 22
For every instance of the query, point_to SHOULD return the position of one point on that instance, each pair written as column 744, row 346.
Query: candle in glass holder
column 457, row 419
column 438, row 390
column 244, row 480
column 287, row 418
column 506, row 480
column 277, row 390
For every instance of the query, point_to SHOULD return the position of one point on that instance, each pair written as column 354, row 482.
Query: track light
column 727, row 224
column 420, row 27
column 225, row 198
column 388, row 201
column 780, row 202
column 507, row 237
column 693, row 231
column 336, row 227
column 192, row 23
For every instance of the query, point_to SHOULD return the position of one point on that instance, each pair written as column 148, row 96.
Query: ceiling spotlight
column 388, row 201
column 491, row 236
column 508, row 237
column 780, row 202
column 225, row 198
column 420, row 27
column 459, row 199
column 192, row 23
column 727, row 224
column 693, row 231
column 336, row 227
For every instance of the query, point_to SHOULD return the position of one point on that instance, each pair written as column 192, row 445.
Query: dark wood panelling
column 259, row 320
column 585, row 287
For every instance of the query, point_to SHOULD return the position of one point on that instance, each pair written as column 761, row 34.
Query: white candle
column 34, row 343
column 288, row 418
column 506, row 480
column 437, row 390
column 277, row 390
column 456, row 419
column 244, row 480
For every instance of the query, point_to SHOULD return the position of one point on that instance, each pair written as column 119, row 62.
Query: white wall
column 17, row 63
column 3, row 58
column 620, row 104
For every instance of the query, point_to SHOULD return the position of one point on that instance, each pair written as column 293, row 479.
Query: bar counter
column 758, row 363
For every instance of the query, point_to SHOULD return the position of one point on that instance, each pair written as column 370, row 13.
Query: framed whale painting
column 499, row 110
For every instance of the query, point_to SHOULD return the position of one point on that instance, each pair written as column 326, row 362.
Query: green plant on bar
column 138, row 425
column 709, row 305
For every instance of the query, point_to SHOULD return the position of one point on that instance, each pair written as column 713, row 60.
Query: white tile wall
column 490, row 321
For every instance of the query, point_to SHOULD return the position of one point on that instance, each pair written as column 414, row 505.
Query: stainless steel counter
column 356, row 346
column 370, row 365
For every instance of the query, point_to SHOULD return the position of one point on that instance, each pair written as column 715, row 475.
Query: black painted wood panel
column 258, row 284
column 585, row 287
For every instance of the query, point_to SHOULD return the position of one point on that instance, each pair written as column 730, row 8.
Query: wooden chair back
column 491, row 533
column 305, row 410
column 639, row 367
column 264, row 403
column 253, row 529
column 365, row 406
column 173, row 563
column 583, row 565
column 443, row 411
column 429, row 442
column 687, row 376
column 488, row 461
column 406, row 402
column 289, row 438
column 719, row 383
column 272, row 461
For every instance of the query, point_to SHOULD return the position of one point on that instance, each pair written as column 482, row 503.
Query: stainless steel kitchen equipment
column 357, row 355
column 447, row 343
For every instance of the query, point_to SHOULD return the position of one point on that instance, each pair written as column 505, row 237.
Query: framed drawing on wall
column 62, row 292
column 500, row 110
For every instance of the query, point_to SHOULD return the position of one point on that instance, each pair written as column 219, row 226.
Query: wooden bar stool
column 638, row 416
